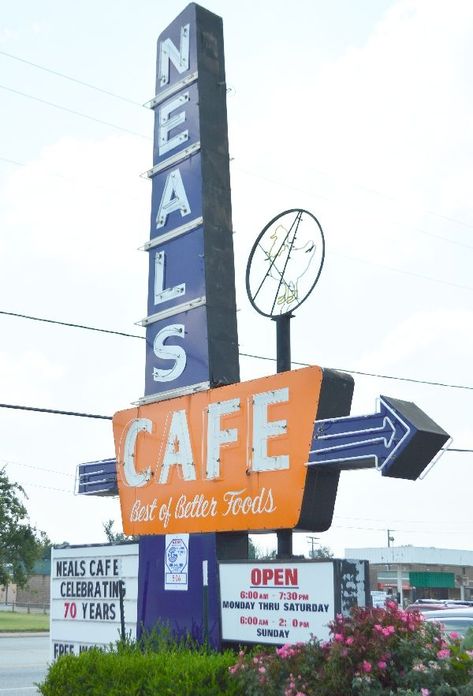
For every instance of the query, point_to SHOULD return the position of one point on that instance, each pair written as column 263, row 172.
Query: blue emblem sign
column 191, row 329
column 400, row 441
column 176, row 561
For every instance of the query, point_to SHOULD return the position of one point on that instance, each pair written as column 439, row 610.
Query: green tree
column 259, row 554
column 321, row 552
column 116, row 537
column 20, row 543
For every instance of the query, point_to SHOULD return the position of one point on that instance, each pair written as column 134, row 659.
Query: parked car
column 423, row 605
column 458, row 620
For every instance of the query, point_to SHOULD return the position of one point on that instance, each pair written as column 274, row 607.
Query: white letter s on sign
column 164, row 352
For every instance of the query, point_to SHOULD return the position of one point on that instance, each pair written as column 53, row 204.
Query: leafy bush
column 374, row 652
column 127, row 671
column 468, row 640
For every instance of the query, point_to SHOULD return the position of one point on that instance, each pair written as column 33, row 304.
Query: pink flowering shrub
column 373, row 652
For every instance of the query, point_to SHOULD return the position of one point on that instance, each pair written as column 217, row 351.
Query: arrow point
column 390, row 428
column 421, row 440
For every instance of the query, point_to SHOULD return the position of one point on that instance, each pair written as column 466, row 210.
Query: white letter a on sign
column 174, row 198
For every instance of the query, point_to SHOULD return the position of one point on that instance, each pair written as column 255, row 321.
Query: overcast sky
column 360, row 112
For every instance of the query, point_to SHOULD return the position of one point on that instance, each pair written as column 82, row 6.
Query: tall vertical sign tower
column 191, row 329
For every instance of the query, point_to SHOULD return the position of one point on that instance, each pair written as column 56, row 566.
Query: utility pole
column 390, row 538
column 312, row 540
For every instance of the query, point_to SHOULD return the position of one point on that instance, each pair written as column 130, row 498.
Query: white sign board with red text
column 276, row 602
column 85, row 596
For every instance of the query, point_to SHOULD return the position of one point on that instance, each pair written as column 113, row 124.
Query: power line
column 351, row 258
column 73, row 181
column 70, row 325
column 55, row 412
column 10, row 161
column 332, row 200
column 445, row 239
column 399, row 531
column 368, row 374
column 48, row 488
column 58, row 412
column 114, row 95
column 72, row 111
column 72, row 79
column 245, row 355
column 391, row 268
column 405, row 272
column 398, row 521
column 390, row 197
column 449, row 219
column 36, row 468
column 429, row 212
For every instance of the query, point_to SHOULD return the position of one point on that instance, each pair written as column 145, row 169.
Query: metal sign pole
column 121, row 587
column 283, row 342
column 283, row 357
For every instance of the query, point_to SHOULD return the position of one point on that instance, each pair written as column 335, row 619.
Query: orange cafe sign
column 227, row 459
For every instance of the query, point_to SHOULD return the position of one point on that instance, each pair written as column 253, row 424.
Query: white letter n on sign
column 168, row 53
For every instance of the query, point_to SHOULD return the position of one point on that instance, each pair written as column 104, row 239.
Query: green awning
column 443, row 580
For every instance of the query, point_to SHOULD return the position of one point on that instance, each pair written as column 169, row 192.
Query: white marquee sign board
column 85, row 596
column 276, row 602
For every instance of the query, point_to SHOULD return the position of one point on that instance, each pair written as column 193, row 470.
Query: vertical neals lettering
column 169, row 53
column 169, row 352
column 168, row 122
column 174, row 198
column 162, row 294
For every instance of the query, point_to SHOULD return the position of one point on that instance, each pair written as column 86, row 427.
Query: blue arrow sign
column 400, row 441
column 97, row 478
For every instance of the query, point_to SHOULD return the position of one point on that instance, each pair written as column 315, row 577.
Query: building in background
column 414, row 572
column 36, row 593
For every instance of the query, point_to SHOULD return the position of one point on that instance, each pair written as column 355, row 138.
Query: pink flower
column 454, row 635
column 262, row 670
column 425, row 692
column 443, row 654
column 287, row 650
column 388, row 630
column 367, row 666
column 349, row 640
column 338, row 638
column 382, row 664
